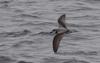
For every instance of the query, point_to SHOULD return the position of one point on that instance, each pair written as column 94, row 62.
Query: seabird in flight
column 60, row 32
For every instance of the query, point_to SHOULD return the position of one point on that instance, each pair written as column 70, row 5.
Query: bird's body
column 62, row 29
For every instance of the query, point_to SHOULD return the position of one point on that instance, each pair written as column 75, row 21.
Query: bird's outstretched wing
column 61, row 21
column 56, row 41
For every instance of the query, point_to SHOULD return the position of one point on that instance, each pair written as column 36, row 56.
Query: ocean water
column 25, row 27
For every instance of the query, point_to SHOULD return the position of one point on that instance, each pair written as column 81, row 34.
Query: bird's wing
column 56, row 41
column 61, row 21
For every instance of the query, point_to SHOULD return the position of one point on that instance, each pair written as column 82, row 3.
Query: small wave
column 92, row 30
column 53, row 0
column 88, row 25
column 30, row 2
column 15, row 34
column 80, row 53
column 37, row 24
column 92, row 1
column 58, row 60
column 45, row 23
column 96, row 0
column 27, row 42
column 88, row 17
column 5, row 59
column 42, row 33
column 27, row 16
column 79, row 37
column 27, row 24
column 24, row 62
column 18, row 10
column 80, row 3
column 76, row 61
column 83, row 9
column 5, row 1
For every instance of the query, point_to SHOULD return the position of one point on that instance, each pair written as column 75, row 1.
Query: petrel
column 62, row 29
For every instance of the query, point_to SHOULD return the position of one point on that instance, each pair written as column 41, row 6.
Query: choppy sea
column 25, row 27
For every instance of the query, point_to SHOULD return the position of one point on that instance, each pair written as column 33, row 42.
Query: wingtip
column 55, row 50
column 55, row 45
column 63, row 15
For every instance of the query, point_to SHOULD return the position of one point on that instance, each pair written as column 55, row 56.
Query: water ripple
column 37, row 24
column 5, row 1
column 5, row 59
column 24, row 42
column 24, row 62
column 86, row 25
column 42, row 33
column 83, row 9
column 26, row 16
column 79, row 53
column 88, row 17
column 58, row 60
column 76, row 61
column 15, row 34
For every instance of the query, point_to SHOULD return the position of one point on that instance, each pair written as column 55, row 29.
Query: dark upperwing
column 56, row 41
column 61, row 21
